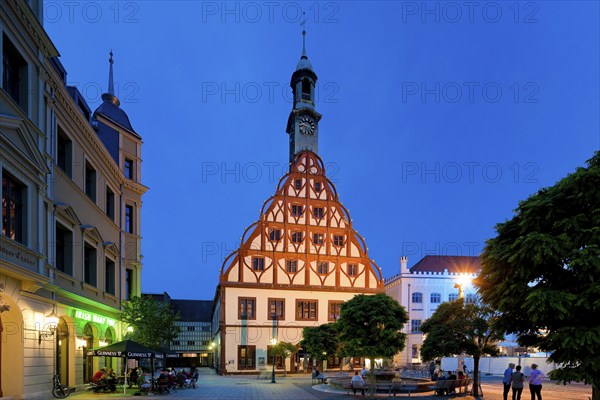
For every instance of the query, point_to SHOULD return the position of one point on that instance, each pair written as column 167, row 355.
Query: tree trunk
column 596, row 390
column 372, row 381
column 475, row 376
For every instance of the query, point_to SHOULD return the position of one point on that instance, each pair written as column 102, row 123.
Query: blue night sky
column 437, row 118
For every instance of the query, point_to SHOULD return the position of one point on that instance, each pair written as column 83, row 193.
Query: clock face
column 306, row 125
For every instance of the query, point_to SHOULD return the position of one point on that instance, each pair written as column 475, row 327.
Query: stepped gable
column 304, row 224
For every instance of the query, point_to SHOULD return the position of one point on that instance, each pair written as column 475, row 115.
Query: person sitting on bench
column 357, row 383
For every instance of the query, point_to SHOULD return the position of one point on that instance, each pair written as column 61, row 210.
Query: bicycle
column 59, row 390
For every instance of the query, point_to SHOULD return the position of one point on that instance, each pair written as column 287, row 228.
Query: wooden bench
column 448, row 386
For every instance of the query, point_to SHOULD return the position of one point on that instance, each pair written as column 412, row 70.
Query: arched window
column 417, row 297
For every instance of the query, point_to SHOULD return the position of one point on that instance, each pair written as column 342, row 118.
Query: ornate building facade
column 299, row 262
column 71, row 198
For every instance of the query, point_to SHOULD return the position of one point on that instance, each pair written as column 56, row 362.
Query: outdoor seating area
column 450, row 387
column 390, row 387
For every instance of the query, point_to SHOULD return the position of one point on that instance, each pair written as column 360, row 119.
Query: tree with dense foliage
column 371, row 326
column 321, row 341
column 542, row 272
column 283, row 350
column 153, row 322
column 457, row 328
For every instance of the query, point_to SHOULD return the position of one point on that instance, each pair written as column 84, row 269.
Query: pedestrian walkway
column 299, row 387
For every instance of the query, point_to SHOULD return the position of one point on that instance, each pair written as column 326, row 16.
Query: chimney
column 404, row 265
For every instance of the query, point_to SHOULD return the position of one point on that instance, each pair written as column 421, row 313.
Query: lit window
column 338, row 240
column 13, row 215
column 318, row 238
column 291, row 266
column 323, row 267
column 335, row 308
column 276, row 309
column 435, row 298
column 297, row 210
column 258, row 264
column 297, row 237
column 318, row 212
column 417, row 297
column 352, row 269
column 306, row 310
column 246, row 308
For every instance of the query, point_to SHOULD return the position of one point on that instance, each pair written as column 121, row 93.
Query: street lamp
column 52, row 321
column 212, row 350
column 273, row 343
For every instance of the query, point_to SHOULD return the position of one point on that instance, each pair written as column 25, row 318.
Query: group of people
column 515, row 379
column 169, row 379
column 105, row 379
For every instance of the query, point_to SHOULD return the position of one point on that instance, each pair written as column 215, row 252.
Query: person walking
column 506, row 380
column 535, row 382
column 432, row 369
column 517, row 380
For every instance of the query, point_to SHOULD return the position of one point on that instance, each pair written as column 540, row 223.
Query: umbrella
column 127, row 349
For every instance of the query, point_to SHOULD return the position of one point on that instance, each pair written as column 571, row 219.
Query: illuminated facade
column 298, row 263
column 70, row 240
column 420, row 289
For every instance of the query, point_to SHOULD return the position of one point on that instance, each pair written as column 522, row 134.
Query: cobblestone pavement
column 299, row 387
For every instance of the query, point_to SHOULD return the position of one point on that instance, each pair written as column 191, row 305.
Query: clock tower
column 303, row 122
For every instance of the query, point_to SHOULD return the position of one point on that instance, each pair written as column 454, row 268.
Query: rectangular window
column 128, row 168
column 352, row 269
column 334, row 309
column 291, row 266
column 415, row 326
column 258, row 263
column 297, row 210
column 417, row 297
column 14, row 73
column 318, row 186
column 129, row 219
column 338, row 240
column 318, row 238
column 128, row 284
column 191, row 328
column 276, row 309
column 453, row 296
column 318, row 212
column 13, row 209
column 246, row 307
column 275, row 235
column 64, row 249
column 471, row 298
column 246, row 357
column 298, row 183
column 110, row 203
column 297, row 237
column 176, row 343
column 323, row 267
column 89, row 265
column 306, row 310
column 191, row 343
column 64, row 152
column 90, row 181
column 435, row 298
column 110, row 277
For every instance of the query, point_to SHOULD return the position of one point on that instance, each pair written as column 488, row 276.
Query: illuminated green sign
column 99, row 319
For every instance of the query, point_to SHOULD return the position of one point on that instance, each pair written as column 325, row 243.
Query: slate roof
column 455, row 264
column 193, row 310
column 115, row 114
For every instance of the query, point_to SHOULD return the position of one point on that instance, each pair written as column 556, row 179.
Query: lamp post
column 273, row 343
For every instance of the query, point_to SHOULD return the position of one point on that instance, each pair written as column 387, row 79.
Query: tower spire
column 110, row 93
column 304, row 44
column 111, row 84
